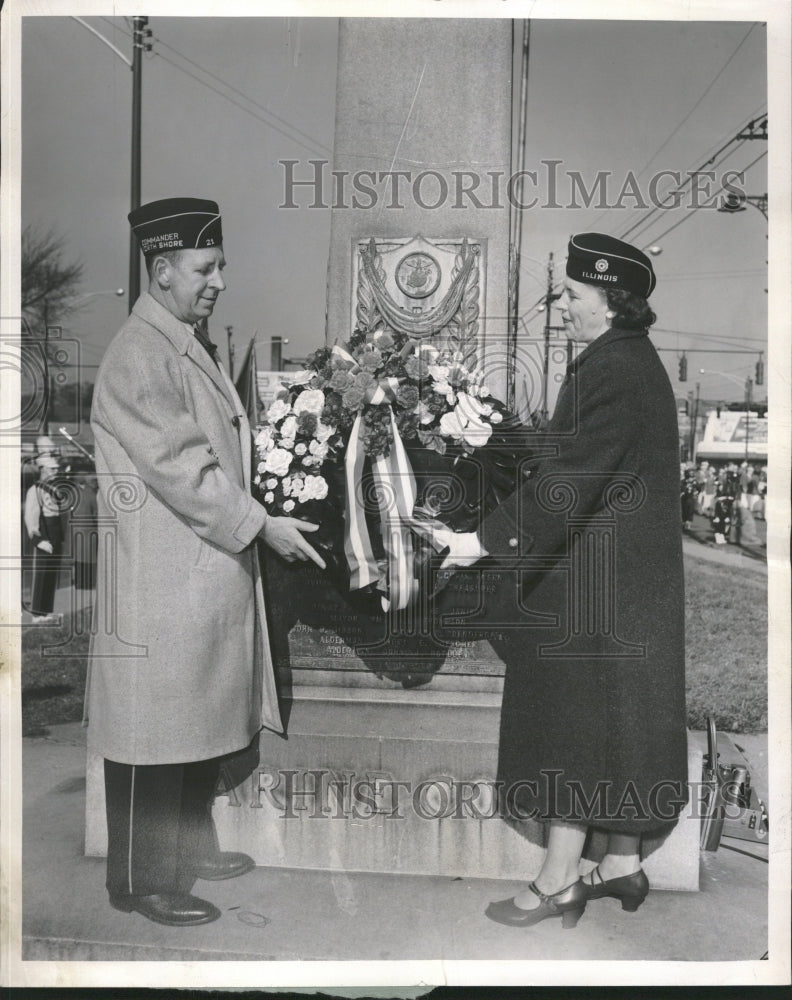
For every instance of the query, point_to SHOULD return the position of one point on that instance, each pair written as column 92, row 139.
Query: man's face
column 195, row 280
column 583, row 309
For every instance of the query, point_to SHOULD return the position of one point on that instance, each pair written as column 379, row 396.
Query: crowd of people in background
column 59, row 528
column 732, row 496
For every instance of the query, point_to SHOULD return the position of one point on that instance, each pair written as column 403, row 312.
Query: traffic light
column 760, row 372
column 683, row 368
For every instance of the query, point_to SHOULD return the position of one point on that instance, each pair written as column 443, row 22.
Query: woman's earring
column 609, row 314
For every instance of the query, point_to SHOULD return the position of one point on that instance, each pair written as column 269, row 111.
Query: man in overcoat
column 180, row 668
column 588, row 606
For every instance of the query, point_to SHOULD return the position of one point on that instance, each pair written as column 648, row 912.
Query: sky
column 225, row 99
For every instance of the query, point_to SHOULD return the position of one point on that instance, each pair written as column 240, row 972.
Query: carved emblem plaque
column 429, row 289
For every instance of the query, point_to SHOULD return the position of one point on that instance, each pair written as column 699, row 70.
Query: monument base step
column 391, row 781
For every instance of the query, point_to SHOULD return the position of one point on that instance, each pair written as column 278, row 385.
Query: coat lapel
column 149, row 310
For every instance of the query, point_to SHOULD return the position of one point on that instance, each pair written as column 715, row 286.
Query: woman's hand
column 284, row 535
column 464, row 547
column 45, row 546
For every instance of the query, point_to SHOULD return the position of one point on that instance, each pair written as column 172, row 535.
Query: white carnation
column 278, row 410
column 301, row 378
column 314, row 488
column 261, row 467
column 263, row 438
column 310, row 401
column 271, row 484
column 269, row 496
column 278, row 462
column 288, row 506
column 496, row 417
column 300, row 449
column 319, row 450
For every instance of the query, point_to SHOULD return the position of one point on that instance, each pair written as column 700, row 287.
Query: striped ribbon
column 394, row 486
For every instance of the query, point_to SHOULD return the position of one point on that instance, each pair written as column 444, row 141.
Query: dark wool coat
column 585, row 601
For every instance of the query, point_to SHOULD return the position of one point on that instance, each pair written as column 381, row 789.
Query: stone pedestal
column 387, row 780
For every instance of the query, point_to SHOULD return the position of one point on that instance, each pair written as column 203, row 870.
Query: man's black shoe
column 224, row 864
column 176, row 909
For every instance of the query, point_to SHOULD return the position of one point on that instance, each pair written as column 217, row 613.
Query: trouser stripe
column 131, row 828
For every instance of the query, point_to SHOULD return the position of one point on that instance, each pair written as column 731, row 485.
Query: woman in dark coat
column 589, row 544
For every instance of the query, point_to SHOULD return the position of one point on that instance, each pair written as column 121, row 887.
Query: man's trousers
column 159, row 824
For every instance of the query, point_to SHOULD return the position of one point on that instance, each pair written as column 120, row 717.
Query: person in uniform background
column 44, row 525
column 180, row 668
column 688, row 495
column 707, row 494
column 723, row 507
column 589, row 548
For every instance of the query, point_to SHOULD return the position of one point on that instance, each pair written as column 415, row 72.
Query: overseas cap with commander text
column 597, row 259
column 176, row 224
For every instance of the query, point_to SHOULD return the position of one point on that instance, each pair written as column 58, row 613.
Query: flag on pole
column 246, row 384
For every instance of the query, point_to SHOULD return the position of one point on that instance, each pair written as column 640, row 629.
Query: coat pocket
column 206, row 556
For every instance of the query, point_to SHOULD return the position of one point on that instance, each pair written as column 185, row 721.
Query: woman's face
column 583, row 308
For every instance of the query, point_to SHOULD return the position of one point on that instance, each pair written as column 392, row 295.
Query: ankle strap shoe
column 632, row 890
column 568, row 904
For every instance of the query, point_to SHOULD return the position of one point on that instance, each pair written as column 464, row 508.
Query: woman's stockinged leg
column 561, row 864
column 621, row 858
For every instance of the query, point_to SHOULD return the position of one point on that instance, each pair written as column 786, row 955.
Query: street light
column 80, row 300
column 734, row 203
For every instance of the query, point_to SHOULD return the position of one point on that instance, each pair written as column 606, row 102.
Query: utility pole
column 140, row 43
column 748, row 393
column 549, row 299
column 694, row 423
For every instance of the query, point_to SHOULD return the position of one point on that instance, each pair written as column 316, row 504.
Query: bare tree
column 49, row 280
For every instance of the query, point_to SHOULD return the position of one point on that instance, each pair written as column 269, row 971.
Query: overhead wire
column 687, row 117
column 272, row 119
column 253, row 114
column 709, row 160
column 692, row 212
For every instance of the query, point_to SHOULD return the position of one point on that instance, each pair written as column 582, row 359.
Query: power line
column 315, row 143
column 693, row 211
column 270, row 115
column 641, row 222
column 258, row 118
column 690, row 113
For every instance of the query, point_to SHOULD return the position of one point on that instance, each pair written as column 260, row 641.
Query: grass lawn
column 726, row 656
column 726, row 640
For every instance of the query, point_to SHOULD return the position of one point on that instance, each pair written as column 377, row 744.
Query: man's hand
column 45, row 546
column 464, row 547
column 284, row 535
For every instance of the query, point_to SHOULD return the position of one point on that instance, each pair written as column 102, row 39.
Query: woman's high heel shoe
column 632, row 890
column 568, row 904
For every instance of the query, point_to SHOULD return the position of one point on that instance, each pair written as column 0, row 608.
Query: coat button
column 512, row 543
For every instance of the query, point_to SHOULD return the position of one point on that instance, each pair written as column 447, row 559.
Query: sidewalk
column 281, row 914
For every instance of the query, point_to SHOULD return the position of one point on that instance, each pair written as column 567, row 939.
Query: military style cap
column 176, row 224
column 597, row 259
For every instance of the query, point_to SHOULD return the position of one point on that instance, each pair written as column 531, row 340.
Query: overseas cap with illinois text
column 176, row 224
column 597, row 259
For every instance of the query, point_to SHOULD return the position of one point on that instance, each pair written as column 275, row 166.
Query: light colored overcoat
column 180, row 666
